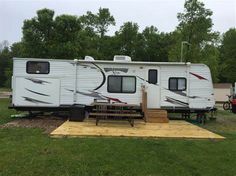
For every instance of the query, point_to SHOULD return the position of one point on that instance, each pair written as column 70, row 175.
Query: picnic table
column 102, row 110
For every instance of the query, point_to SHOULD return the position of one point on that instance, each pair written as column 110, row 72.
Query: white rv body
column 71, row 82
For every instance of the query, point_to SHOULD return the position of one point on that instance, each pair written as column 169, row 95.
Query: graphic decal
column 37, row 81
column 97, row 95
column 183, row 94
column 103, row 75
column 35, row 101
column 37, row 92
column 125, row 70
column 146, row 81
column 115, row 99
column 96, row 67
column 92, row 94
column 177, row 92
column 174, row 101
column 198, row 76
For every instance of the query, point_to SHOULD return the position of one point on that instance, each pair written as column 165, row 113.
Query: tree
column 65, row 42
column 5, row 62
column 45, row 37
column 127, row 38
column 103, row 20
column 4, row 44
column 228, row 56
column 98, row 22
column 151, row 42
column 38, row 34
column 18, row 50
column 210, row 56
column 96, row 26
column 156, row 45
column 195, row 27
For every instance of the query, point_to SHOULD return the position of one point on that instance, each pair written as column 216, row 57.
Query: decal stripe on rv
column 198, row 76
column 37, row 92
column 103, row 74
column 35, row 101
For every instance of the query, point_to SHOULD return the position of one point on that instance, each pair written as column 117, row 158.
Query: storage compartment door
column 31, row 91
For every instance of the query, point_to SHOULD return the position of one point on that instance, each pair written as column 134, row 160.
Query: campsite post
column 182, row 45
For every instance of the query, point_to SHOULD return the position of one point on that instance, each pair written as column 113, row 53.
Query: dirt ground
column 47, row 123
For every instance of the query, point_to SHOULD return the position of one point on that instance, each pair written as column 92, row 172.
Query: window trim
column 156, row 76
column 122, row 83
column 185, row 80
column 27, row 65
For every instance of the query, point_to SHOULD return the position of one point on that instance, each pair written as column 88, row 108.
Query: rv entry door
column 153, row 88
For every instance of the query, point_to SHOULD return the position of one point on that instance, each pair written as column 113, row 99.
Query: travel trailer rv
column 54, row 84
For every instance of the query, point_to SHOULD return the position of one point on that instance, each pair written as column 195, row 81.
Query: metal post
column 75, row 89
column 181, row 54
column 182, row 48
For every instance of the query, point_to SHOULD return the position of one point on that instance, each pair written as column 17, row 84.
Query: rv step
column 156, row 116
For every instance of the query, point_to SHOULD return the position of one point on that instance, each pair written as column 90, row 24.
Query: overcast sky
column 160, row 13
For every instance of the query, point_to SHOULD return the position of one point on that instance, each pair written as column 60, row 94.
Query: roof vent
column 120, row 58
column 89, row 58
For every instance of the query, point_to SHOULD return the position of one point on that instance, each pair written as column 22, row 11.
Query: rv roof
column 108, row 61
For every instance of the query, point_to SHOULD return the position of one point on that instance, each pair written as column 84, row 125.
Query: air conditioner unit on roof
column 121, row 58
column 89, row 58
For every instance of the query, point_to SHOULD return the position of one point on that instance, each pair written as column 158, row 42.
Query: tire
column 226, row 106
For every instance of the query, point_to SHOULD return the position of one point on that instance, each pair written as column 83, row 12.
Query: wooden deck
column 173, row 129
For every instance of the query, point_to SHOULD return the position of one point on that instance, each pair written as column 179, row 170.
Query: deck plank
column 173, row 129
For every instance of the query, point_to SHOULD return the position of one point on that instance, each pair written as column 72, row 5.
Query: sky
column 159, row 13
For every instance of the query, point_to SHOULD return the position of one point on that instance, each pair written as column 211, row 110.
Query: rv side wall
column 177, row 86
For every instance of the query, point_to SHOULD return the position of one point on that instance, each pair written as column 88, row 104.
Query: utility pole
column 182, row 48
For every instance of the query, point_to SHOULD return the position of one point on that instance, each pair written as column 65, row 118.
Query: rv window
column 181, row 84
column 152, row 76
column 114, row 84
column 121, row 84
column 177, row 84
column 128, row 84
column 173, row 84
column 35, row 67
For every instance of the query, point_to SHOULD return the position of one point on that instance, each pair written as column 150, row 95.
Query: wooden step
column 156, row 116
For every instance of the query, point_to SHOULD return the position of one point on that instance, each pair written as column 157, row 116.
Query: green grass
column 224, row 123
column 3, row 89
column 5, row 113
column 30, row 152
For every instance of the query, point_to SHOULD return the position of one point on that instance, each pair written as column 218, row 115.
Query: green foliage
column 45, row 37
column 65, row 43
column 99, row 22
column 29, row 151
column 69, row 37
column 195, row 27
column 156, row 45
column 5, row 115
column 18, row 50
column 228, row 56
column 5, row 63
column 103, row 20
column 210, row 57
column 127, row 38
column 38, row 34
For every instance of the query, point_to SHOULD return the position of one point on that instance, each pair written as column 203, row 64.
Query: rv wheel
column 226, row 105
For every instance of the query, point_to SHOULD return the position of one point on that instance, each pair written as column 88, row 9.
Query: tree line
column 68, row 37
